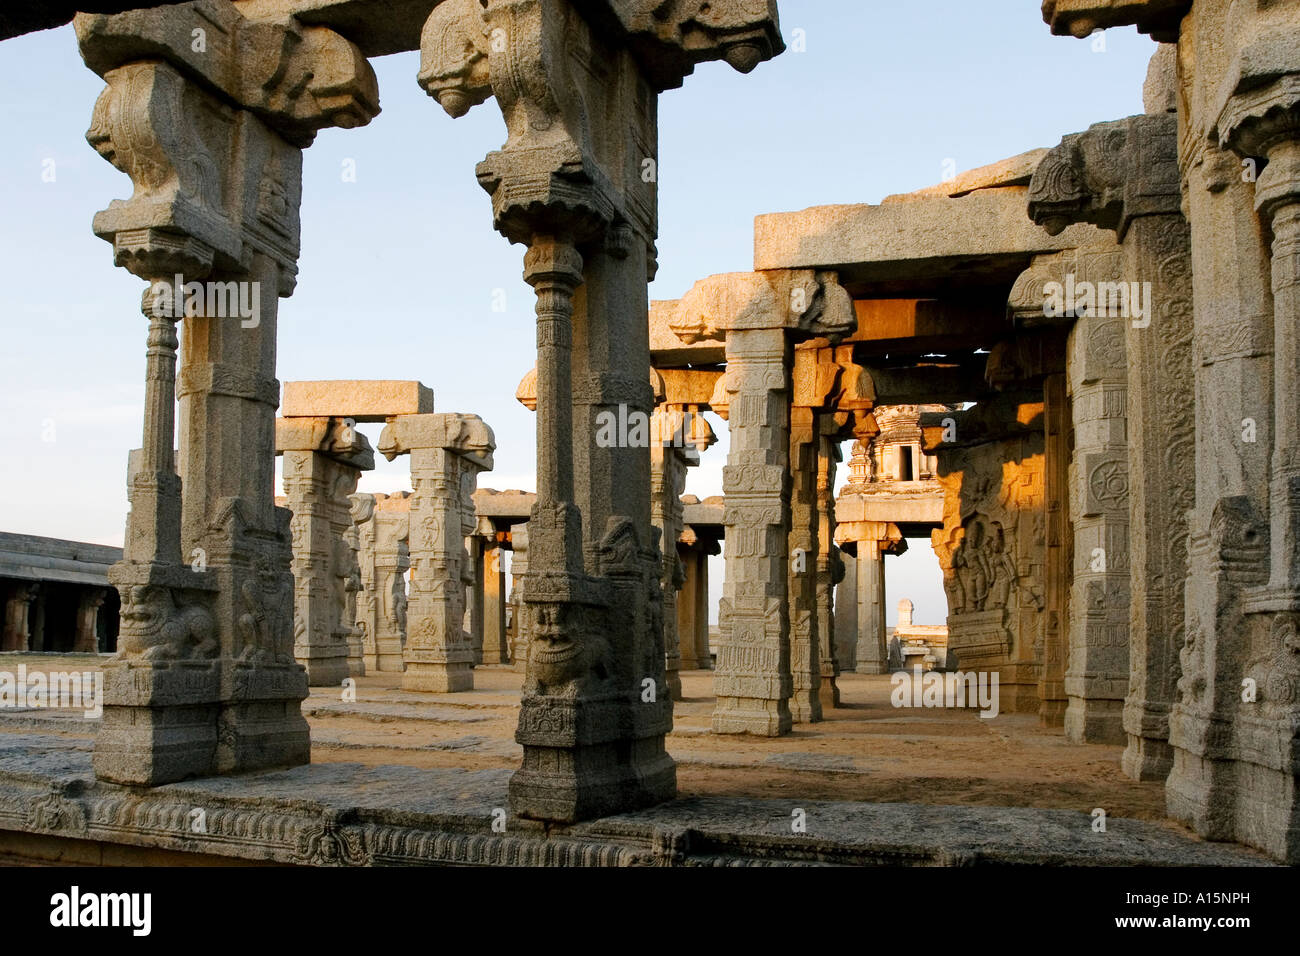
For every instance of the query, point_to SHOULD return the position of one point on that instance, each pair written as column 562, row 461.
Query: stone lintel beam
column 889, row 250
column 923, row 326
column 884, row 537
column 298, row 79
column 466, row 435
column 802, row 301
column 1027, row 359
column 361, row 401
column 330, row 437
column 689, row 386
column 920, row 507
column 1082, row 18
column 1008, row 415
column 937, row 383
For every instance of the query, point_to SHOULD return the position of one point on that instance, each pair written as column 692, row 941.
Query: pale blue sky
column 399, row 269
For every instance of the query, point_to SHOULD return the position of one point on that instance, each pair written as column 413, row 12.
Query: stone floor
column 889, row 763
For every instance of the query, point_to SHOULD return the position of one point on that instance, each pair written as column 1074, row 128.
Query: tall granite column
column 205, row 681
column 445, row 449
column 579, row 98
column 496, row 647
column 1058, row 426
column 1132, row 187
column 669, row 459
column 86, row 640
column 518, row 585
column 830, row 566
column 870, row 654
column 18, row 605
column 846, row 614
column 803, row 554
column 323, row 461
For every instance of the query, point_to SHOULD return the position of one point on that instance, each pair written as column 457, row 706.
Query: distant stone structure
column 916, row 645
column 56, row 595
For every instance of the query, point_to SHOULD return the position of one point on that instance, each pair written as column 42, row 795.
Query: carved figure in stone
column 566, row 654
column 154, row 627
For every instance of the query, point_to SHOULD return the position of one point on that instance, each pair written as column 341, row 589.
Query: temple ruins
column 1073, row 374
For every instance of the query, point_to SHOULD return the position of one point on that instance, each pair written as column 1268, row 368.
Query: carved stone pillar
column 1058, row 424
column 496, row 646
column 693, row 600
column 358, row 615
column 870, row 655
column 830, row 567
column 846, row 614
column 205, row 680
column 804, row 552
column 87, row 636
column 447, row 451
column 579, row 101
column 476, row 595
column 1096, row 676
column 18, row 605
column 1124, row 176
column 992, row 545
column 752, row 682
column 518, row 584
column 669, row 459
column 323, row 460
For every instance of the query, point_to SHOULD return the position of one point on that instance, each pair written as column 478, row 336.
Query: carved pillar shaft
column 1278, row 199
column 1096, row 677
column 154, row 527
column 18, row 617
column 496, row 648
column 1161, row 439
column 871, row 655
column 668, row 465
column 752, row 681
column 87, row 636
column 828, row 561
column 846, row 615
column 1058, row 425
column 803, row 554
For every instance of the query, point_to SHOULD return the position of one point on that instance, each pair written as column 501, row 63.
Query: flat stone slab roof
column 351, row 814
column 33, row 558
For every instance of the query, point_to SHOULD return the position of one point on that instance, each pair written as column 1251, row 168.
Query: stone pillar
column 991, row 548
column 358, row 614
column 870, row 654
column 846, row 614
column 447, row 451
column 693, row 602
column 579, row 101
column 1096, row 677
column 18, row 605
column 830, row 567
column 1262, row 122
column 1132, row 187
column 387, row 559
column 87, row 637
column 804, row 555
column 1059, row 567
column 752, row 682
column 323, row 460
column 477, row 596
column 518, row 584
column 496, row 646
column 669, row 459
column 205, row 680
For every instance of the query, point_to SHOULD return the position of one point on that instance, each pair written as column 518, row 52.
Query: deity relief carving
column 983, row 574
